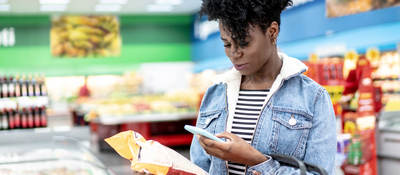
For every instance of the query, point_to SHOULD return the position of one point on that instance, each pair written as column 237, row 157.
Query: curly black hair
column 236, row 15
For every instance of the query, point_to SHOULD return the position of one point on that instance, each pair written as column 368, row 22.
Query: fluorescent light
column 4, row 7
column 113, row 1
column 169, row 2
column 54, row 1
column 159, row 8
column 3, row 1
column 108, row 7
column 52, row 8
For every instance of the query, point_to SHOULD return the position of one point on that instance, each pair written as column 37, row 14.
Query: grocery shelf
column 114, row 120
column 387, row 79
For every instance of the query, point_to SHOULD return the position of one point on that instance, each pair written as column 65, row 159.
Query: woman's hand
column 235, row 149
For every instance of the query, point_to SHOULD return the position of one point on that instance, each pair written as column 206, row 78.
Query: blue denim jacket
column 312, row 138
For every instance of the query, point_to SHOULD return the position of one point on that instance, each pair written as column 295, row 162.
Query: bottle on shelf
column 8, row 108
column 42, row 85
column 36, row 85
column 43, row 116
column 4, row 87
column 17, row 86
column 11, row 86
column 30, row 86
column 355, row 153
column 1, row 87
column 24, row 87
column 30, row 118
column 4, row 119
column 24, row 118
column 36, row 114
column 17, row 118
column 1, row 119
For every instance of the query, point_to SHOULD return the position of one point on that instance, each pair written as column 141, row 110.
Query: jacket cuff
column 265, row 168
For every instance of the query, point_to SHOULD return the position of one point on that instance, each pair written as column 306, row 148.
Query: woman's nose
column 236, row 53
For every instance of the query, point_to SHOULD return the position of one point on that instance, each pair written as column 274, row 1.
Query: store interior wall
column 144, row 39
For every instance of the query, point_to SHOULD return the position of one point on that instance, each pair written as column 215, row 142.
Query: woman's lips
column 240, row 66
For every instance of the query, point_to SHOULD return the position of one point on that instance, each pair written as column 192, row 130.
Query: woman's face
column 252, row 55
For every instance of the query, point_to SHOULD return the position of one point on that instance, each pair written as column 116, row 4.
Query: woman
column 264, row 105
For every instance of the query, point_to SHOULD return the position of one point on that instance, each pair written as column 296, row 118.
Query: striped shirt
column 248, row 109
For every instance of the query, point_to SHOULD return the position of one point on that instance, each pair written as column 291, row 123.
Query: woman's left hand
column 234, row 149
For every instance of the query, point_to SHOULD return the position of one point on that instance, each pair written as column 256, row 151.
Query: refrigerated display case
column 389, row 142
column 62, row 155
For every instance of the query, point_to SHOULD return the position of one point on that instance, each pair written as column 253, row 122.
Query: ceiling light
column 169, row 2
column 3, row 1
column 159, row 8
column 4, row 7
column 113, row 1
column 54, row 1
column 52, row 8
column 108, row 7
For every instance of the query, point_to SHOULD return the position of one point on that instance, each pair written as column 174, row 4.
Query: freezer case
column 61, row 156
column 389, row 143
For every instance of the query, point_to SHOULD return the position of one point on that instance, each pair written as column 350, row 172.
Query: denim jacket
column 311, row 138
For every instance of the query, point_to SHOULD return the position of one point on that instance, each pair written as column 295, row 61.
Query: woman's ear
column 273, row 31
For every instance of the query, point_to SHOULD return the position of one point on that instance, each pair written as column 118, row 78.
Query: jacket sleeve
column 321, row 143
column 197, row 154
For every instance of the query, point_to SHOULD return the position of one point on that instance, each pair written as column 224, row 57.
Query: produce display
column 170, row 103
column 85, row 36
column 335, row 8
column 387, row 76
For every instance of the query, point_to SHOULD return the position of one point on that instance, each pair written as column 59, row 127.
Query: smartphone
column 196, row 130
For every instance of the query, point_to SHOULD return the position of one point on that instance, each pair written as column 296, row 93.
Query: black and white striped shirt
column 248, row 109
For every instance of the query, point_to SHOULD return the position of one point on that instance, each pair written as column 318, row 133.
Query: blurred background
column 73, row 73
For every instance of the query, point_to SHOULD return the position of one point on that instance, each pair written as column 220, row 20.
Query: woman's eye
column 244, row 44
column 227, row 45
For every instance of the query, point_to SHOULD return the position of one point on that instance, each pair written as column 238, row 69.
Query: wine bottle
column 4, row 88
column 43, row 116
column 30, row 118
column 24, row 87
column 11, row 87
column 30, row 86
column 17, row 86
column 17, row 118
column 36, row 113
column 24, row 119
column 42, row 85
column 4, row 119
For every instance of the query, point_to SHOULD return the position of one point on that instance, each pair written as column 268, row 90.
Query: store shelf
column 115, row 120
column 387, row 79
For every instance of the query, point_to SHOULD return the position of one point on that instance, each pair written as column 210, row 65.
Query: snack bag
column 150, row 156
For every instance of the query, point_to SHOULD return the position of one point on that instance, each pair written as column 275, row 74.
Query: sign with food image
column 336, row 8
column 85, row 36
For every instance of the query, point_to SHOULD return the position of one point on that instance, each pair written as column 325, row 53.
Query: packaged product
column 150, row 156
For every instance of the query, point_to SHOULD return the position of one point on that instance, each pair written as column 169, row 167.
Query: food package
column 150, row 156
